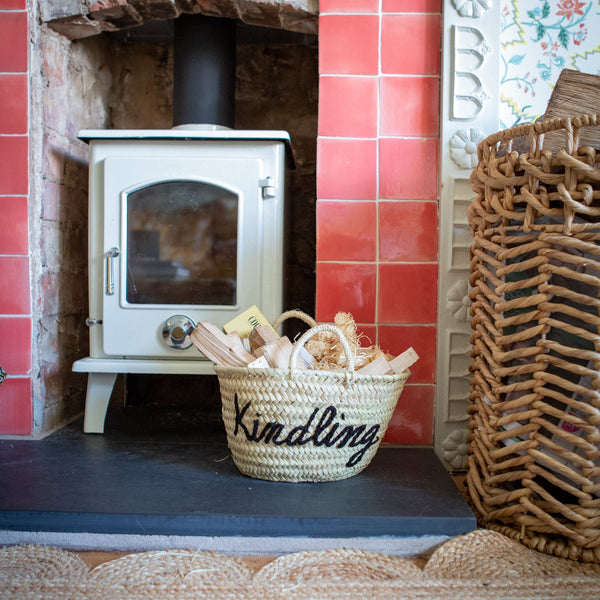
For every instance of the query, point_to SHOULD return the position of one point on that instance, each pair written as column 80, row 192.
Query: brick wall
column 69, row 91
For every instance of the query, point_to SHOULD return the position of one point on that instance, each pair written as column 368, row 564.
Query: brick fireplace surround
column 377, row 188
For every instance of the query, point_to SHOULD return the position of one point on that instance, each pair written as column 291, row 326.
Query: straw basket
column 534, row 466
column 306, row 425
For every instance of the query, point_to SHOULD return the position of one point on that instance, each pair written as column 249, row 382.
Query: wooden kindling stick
column 223, row 349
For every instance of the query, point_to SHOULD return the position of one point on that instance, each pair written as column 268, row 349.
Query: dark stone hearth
column 182, row 481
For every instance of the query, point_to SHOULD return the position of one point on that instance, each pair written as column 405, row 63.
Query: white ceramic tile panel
column 470, row 102
column 501, row 60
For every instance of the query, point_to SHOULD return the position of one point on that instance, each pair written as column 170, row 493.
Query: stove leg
column 99, row 390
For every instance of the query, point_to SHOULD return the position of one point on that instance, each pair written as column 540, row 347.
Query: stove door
column 182, row 237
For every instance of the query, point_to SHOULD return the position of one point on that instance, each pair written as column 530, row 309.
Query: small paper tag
column 245, row 322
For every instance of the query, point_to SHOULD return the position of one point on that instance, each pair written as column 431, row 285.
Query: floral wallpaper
column 540, row 38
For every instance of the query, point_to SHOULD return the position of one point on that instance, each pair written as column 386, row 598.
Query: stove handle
column 110, row 270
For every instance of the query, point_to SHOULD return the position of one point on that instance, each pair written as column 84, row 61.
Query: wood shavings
column 329, row 353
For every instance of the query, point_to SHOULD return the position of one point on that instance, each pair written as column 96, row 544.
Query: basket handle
column 317, row 329
column 298, row 314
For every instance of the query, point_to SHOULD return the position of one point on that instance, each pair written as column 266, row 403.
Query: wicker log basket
column 299, row 425
column 534, row 450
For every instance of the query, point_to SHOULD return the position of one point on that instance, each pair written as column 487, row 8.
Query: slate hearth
column 158, row 477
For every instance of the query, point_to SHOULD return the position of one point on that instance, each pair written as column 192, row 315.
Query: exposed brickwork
column 76, row 84
column 284, row 79
column 300, row 16
column 77, row 20
column 211, row 8
column 155, row 9
column 116, row 15
column 264, row 13
column 95, row 6
column 77, row 27
column 59, row 9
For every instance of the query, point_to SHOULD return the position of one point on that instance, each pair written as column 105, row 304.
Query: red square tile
column 407, row 293
column 346, row 169
column 408, row 6
column 15, row 345
column 347, row 287
column 14, row 291
column 367, row 334
column 349, row 45
column 13, row 42
column 410, row 44
column 15, row 406
column 408, row 168
column 13, row 103
column 348, row 106
column 346, row 230
column 408, row 231
column 14, row 163
column 13, row 239
column 410, row 106
column 13, row 4
column 395, row 339
column 348, row 6
column 412, row 421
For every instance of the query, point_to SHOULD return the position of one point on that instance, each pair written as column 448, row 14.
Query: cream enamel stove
column 185, row 225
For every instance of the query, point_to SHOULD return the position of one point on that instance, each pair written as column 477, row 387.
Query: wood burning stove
column 185, row 225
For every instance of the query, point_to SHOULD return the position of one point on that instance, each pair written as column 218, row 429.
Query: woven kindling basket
column 534, row 449
column 306, row 425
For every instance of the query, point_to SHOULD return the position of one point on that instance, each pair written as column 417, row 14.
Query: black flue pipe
column 204, row 71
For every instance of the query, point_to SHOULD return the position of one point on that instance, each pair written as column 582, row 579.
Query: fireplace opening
column 228, row 75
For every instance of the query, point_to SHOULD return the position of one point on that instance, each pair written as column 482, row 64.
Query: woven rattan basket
column 306, row 425
column 534, row 467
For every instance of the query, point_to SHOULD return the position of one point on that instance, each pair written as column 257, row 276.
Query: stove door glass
column 183, row 234
column 181, row 244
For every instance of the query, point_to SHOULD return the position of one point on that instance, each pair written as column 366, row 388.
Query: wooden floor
column 254, row 563
column 93, row 559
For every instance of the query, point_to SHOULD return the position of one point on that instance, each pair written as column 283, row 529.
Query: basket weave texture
column 534, row 466
column 306, row 425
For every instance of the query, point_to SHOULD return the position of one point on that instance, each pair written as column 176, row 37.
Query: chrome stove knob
column 176, row 332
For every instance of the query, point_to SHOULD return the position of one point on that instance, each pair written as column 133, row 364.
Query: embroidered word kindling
column 322, row 432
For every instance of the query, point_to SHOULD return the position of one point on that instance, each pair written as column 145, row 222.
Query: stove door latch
column 268, row 188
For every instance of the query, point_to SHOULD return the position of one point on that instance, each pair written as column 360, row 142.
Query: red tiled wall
column 15, row 300
column 377, row 184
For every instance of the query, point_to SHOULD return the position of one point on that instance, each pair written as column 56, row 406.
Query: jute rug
column 481, row 564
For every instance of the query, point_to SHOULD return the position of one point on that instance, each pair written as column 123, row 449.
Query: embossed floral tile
column 539, row 39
